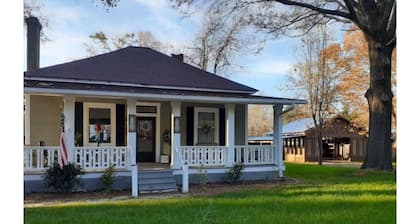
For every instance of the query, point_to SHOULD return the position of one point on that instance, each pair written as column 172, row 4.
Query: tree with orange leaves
column 354, row 81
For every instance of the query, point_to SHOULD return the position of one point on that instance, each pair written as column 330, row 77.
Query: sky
column 71, row 22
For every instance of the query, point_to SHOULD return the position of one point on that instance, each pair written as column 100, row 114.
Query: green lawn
column 326, row 195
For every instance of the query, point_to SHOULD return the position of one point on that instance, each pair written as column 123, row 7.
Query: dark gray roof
column 140, row 66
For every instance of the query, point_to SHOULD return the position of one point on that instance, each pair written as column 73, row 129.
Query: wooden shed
column 341, row 141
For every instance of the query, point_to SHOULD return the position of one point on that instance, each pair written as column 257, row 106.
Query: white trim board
column 164, row 97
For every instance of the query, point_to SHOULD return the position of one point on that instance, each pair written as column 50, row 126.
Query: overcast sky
column 71, row 22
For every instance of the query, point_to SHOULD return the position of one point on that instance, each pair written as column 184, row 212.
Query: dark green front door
column 146, row 139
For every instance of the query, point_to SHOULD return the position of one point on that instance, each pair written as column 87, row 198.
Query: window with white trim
column 206, row 126
column 99, row 124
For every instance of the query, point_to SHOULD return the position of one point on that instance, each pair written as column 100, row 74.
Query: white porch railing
column 99, row 158
column 203, row 155
column 255, row 155
column 39, row 158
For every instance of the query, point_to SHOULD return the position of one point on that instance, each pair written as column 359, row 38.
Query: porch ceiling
column 81, row 89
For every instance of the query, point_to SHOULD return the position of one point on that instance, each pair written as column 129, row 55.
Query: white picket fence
column 100, row 158
column 255, row 154
column 203, row 155
column 39, row 158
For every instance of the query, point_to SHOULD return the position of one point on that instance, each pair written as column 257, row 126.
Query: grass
column 325, row 195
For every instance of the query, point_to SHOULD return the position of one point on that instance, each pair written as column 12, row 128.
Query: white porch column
column 277, row 137
column 176, row 135
column 68, row 111
column 132, row 143
column 27, row 119
column 230, row 134
column 246, row 124
column 185, row 179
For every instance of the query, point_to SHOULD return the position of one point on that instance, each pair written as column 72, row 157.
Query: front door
column 146, row 139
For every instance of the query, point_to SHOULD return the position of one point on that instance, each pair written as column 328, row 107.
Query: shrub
column 202, row 175
column 108, row 178
column 63, row 180
column 235, row 172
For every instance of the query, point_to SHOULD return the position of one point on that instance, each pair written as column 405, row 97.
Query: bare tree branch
column 312, row 7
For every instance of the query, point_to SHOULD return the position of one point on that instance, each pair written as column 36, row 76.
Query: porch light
column 132, row 123
column 176, row 125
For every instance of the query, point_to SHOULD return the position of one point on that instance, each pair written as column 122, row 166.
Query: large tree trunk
column 318, row 140
column 320, row 146
column 379, row 96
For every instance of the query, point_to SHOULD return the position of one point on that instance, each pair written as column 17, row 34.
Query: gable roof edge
column 136, row 85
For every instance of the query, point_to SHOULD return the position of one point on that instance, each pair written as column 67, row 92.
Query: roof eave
column 250, row 91
column 154, row 96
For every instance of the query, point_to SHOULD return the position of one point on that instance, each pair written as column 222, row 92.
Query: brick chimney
column 178, row 56
column 32, row 47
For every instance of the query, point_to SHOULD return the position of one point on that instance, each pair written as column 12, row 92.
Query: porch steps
column 156, row 181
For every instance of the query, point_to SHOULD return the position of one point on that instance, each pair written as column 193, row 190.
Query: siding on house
column 240, row 129
column 45, row 120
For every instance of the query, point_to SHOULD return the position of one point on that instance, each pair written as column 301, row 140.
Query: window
column 99, row 123
column 146, row 109
column 206, row 126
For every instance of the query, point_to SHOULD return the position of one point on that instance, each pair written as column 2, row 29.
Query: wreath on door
column 206, row 128
column 145, row 127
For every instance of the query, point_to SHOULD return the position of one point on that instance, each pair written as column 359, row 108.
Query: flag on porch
column 63, row 155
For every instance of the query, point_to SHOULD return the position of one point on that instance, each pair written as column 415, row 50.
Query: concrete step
column 154, row 174
column 156, row 187
column 156, row 181
column 163, row 180
column 157, row 191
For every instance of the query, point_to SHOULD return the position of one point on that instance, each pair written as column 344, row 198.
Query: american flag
column 63, row 154
column 64, row 157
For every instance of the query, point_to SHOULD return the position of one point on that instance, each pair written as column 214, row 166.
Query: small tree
column 63, row 180
column 108, row 178
column 235, row 173
column 202, row 175
column 317, row 78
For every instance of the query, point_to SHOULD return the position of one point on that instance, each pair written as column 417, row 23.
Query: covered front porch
column 129, row 132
